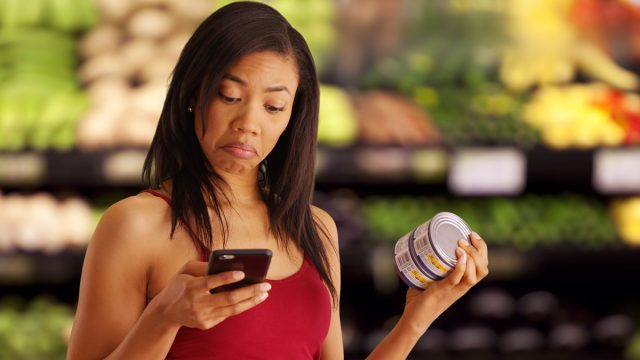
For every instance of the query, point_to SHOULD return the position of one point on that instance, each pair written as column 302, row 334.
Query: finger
column 194, row 268
column 456, row 274
column 235, row 309
column 236, row 296
column 473, row 253
column 481, row 245
column 470, row 277
column 213, row 281
column 468, row 248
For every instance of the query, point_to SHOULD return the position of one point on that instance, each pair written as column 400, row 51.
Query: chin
column 232, row 167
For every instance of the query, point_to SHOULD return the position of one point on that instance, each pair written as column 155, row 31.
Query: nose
column 246, row 122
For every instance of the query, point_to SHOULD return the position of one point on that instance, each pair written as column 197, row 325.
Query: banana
column 597, row 64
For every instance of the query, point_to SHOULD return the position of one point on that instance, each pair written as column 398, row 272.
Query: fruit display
column 488, row 116
column 546, row 48
column 626, row 214
column 40, row 222
column 63, row 15
column 452, row 74
column 127, row 60
column 584, row 116
column 39, row 329
column 460, row 50
column 386, row 118
column 613, row 26
column 338, row 125
column 315, row 20
column 532, row 220
column 40, row 98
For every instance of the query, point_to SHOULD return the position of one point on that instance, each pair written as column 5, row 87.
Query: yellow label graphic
column 420, row 278
column 437, row 263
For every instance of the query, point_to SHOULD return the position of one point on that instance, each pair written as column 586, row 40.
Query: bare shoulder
column 326, row 225
column 114, row 282
column 131, row 221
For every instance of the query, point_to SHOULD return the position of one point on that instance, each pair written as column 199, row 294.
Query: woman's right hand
column 186, row 300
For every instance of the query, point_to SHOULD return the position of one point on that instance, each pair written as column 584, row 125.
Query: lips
column 241, row 150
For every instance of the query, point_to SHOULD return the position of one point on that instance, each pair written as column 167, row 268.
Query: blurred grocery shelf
column 19, row 268
column 553, row 265
column 485, row 170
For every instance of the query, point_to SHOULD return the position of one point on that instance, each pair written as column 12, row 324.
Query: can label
column 420, row 255
column 425, row 254
column 406, row 266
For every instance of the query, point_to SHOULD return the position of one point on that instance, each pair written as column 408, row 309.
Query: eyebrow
column 244, row 83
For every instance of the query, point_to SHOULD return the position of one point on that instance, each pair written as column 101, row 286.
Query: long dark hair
column 230, row 33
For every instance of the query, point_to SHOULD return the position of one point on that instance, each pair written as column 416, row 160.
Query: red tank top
column 291, row 323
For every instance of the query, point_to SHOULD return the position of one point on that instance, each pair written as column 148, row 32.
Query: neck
column 241, row 189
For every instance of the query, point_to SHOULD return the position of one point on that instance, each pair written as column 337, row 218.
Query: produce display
column 387, row 118
column 40, row 98
column 127, row 62
column 532, row 220
column 39, row 329
column 452, row 74
column 584, row 116
column 63, row 15
column 488, row 116
column 545, row 47
column 626, row 214
column 315, row 20
column 474, row 71
column 41, row 222
column 613, row 26
column 338, row 125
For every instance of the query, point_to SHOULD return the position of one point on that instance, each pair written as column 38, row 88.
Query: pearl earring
column 190, row 109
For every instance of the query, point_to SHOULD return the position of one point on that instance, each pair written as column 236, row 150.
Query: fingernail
column 237, row 275
column 475, row 234
column 265, row 287
column 462, row 242
column 262, row 297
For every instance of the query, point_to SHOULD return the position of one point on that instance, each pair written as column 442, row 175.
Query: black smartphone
column 253, row 262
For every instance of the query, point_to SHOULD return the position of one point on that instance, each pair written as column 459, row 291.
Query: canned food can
column 428, row 253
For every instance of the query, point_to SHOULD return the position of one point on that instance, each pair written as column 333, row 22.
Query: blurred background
column 521, row 116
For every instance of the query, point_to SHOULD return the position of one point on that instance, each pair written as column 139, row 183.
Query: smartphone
column 253, row 262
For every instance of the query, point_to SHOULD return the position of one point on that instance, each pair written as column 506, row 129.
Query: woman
column 231, row 165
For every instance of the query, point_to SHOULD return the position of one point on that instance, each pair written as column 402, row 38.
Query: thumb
column 194, row 268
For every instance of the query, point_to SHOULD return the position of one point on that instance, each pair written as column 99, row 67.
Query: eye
column 273, row 109
column 228, row 100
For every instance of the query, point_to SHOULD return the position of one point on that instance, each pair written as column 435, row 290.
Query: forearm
column 411, row 326
column 399, row 342
column 150, row 338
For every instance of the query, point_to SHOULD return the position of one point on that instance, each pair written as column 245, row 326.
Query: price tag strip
column 22, row 169
column 487, row 171
column 616, row 171
column 124, row 167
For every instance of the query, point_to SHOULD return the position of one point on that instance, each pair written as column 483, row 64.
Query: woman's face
column 248, row 113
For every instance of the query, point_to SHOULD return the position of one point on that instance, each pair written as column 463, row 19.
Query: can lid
column 445, row 230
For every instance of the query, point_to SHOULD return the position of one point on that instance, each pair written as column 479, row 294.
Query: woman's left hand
column 423, row 307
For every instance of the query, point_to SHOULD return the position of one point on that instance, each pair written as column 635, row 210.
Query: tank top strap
column 158, row 194
column 204, row 252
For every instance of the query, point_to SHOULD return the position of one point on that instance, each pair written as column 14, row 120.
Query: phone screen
column 253, row 262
